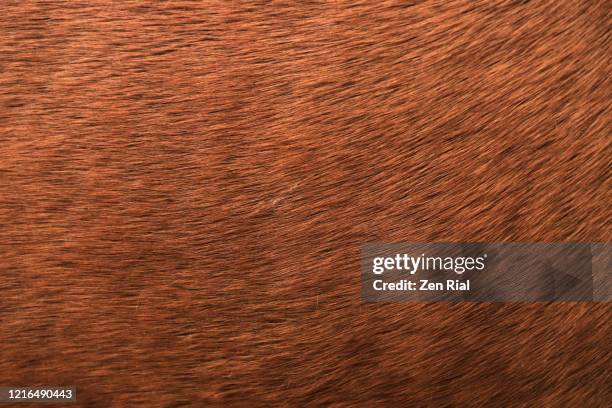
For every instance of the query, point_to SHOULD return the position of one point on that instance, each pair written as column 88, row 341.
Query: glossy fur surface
column 185, row 186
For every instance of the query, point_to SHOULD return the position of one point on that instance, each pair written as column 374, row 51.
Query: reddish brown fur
column 184, row 187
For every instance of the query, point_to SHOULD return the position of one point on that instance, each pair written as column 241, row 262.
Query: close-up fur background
column 185, row 187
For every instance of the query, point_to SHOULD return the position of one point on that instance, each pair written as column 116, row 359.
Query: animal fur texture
column 185, row 186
